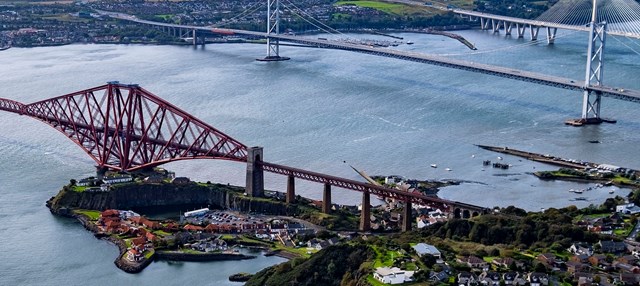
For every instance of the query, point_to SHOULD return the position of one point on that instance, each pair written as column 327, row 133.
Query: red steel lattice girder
column 125, row 127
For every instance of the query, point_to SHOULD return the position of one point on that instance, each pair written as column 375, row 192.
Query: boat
column 409, row 43
column 434, row 166
column 580, row 199
column 499, row 158
column 611, row 191
column 578, row 191
column 447, row 169
column 2, row 48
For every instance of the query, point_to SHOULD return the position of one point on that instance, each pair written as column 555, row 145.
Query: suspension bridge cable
column 318, row 21
column 628, row 47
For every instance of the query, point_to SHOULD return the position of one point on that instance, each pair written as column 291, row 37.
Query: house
column 578, row 248
column 509, row 277
column 538, row 279
column 154, row 179
column 193, row 228
column 392, row 275
column 513, row 278
column 116, row 179
column 548, row 259
column 506, row 262
column 439, row 277
column 610, row 246
column 489, row 278
column 582, row 258
column 474, row 262
column 213, row 228
column 629, row 208
column 180, row 181
column 625, row 267
column 597, row 259
column 151, row 224
column 629, row 259
column 87, row 182
column 423, row 249
column 576, row 266
column 629, row 278
column 134, row 255
column 466, row 278
column 139, row 243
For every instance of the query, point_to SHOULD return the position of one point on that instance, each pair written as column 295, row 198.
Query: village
column 611, row 261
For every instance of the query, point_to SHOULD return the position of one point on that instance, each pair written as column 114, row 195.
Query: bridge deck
column 521, row 75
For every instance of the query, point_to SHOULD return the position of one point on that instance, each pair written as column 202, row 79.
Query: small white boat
column 611, row 191
column 578, row 191
column 473, row 156
column 447, row 169
column 434, row 166
column 499, row 158
column 409, row 43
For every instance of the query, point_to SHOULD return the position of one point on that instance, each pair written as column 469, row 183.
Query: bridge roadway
column 521, row 75
column 536, row 23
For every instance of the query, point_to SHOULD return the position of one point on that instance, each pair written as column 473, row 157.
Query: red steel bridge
column 127, row 128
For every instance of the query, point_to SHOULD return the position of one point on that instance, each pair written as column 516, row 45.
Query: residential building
column 629, row 208
column 423, row 248
column 538, row 279
column 467, row 278
column 393, row 275
column 610, row 246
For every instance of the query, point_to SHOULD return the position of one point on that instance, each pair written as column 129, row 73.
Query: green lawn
column 389, row 8
column 384, row 257
column 149, row 253
column 373, row 281
column 79, row 189
column 91, row 214
column 161, row 233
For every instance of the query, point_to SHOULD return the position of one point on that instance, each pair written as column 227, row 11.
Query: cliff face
column 133, row 196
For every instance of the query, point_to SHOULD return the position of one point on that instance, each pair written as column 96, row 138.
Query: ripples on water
column 315, row 111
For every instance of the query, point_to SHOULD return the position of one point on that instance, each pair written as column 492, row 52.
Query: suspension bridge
column 592, row 86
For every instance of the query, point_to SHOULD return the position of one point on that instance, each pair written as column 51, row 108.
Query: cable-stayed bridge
column 594, row 92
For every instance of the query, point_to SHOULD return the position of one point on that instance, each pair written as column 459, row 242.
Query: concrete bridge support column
column 551, row 35
column 407, row 217
column 326, row 198
column 482, row 23
column 533, row 30
column 495, row 25
column 291, row 189
column 507, row 28
column 255, row 174
column 100, row 172
column 520, row 28
column 365, row 212
column 195, row 37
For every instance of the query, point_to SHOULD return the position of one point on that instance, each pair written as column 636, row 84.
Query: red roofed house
column 212, row 228
column 134, row 255
column 190, row 227
column 138, row 243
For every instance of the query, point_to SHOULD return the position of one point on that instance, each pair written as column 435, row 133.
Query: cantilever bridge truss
column 126, row 128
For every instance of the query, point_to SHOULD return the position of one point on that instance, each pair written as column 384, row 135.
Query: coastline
column 132, row 267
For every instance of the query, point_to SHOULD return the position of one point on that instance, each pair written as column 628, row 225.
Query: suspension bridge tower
column 593, row 76
column 273, row 28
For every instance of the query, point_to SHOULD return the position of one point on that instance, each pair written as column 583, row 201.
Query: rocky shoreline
column 120, row 261
column 135, row 267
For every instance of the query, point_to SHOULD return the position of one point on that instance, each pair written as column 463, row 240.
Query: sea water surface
column 323, row 110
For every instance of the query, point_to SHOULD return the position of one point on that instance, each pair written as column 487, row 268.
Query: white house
column 629, row 208
column 423, row 248
column 117, row 179
column 392, row 275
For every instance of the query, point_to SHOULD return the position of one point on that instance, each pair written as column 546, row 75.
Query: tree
column 72, row 182
column 540, row 268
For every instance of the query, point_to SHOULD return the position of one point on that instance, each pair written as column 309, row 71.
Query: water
column 316, row 111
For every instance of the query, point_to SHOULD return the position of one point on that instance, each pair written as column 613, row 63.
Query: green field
column 389, row 8
column 91, row 214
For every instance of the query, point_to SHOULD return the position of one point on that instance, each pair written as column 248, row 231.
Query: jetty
column 567, row 163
